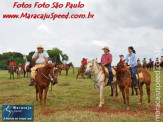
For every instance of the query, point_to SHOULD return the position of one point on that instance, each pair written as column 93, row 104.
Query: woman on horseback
column 131, row 62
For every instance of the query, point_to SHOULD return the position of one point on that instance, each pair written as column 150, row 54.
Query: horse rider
column 106, row 61
column 26, row 65
column 12, row 63
column 121, row 57
column 84, row 63
column 161, row 60
column 132, row 64
column 144, row 61
column 150, row 60
column 64, row 61
column 41, row 58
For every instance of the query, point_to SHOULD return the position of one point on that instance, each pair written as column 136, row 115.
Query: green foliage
column 6, row 57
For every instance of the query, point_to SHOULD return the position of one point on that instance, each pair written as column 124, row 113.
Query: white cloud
column 118, row 24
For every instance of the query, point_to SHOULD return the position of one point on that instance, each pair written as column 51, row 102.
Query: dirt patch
column 7, row 82
column 105, row 109
column 48, row 112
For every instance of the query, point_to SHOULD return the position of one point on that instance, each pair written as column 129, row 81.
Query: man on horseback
column 26, row 65
column 132, row 64
column 144, row 62
column 84, row 63
column 41, row 58
column 11, row 64
column 64, row 61
column 106, row 61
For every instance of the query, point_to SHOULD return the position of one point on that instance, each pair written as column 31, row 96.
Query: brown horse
column 150, row 66
column 66, row 68
column 19, row 72
column 42, row 80
column 81, row 71
column 11, row 71
column 124, row 81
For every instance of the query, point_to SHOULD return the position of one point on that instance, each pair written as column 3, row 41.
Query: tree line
column 55, row 54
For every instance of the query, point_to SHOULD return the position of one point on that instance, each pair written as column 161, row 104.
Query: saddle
column 139, row 75
column 106, row 70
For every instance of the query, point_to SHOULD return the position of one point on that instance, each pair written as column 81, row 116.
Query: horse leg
column 66, row 72
column 83, row 76
column 77, row 76
column 148, row 91
column 116, row 91
column 113, row 90
column 132, row 87
column 10, row 76
column 36, row 93
column 45, row 95
column 40, row 96
column 141, row 92
column 101, row 96
column 24, row 74
column 136, row 90
column 127, row 95
column 123, row 94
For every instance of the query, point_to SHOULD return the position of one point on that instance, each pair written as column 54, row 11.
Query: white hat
column 39, row 46
column 106, row 47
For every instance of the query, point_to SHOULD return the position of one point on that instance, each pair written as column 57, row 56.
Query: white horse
column 99, row 79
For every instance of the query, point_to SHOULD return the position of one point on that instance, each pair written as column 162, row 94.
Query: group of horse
column 151, row 65
column 18, row 71
column 122, row 77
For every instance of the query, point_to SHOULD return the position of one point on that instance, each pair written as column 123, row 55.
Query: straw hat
column 106, row 47
column 39, row 46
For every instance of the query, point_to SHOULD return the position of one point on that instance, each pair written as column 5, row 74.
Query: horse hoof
column 100, row 106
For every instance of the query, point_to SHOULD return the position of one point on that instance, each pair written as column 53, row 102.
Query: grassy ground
column 77, row 100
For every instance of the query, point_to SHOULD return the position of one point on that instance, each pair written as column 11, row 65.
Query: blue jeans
column 133, row 72
column 110, row 72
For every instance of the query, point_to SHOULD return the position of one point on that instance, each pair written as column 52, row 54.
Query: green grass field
column 77, row 100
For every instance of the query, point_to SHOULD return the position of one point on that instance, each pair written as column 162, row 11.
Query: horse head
column 89, row 67
column 54, row 74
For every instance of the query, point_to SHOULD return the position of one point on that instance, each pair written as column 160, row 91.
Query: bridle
column 51, row 78
column 96, row 81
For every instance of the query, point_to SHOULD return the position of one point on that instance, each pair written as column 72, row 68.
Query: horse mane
column 46, row 68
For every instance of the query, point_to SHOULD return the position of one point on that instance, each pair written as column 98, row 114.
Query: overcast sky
column 117, row 24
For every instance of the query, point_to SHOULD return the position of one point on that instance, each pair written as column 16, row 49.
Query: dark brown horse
column 28, row 70
column 66, row 68
column 42, row 80
column 81, row 71
column 150, row 66
column 11, row 71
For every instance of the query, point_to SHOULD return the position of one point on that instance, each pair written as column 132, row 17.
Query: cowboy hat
column 39, row 46
column 106, row 47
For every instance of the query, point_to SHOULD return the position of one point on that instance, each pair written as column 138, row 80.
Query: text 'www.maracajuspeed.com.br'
column 52, row 16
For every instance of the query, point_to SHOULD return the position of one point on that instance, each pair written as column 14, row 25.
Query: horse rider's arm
column 46, row 60
column 35, row 58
